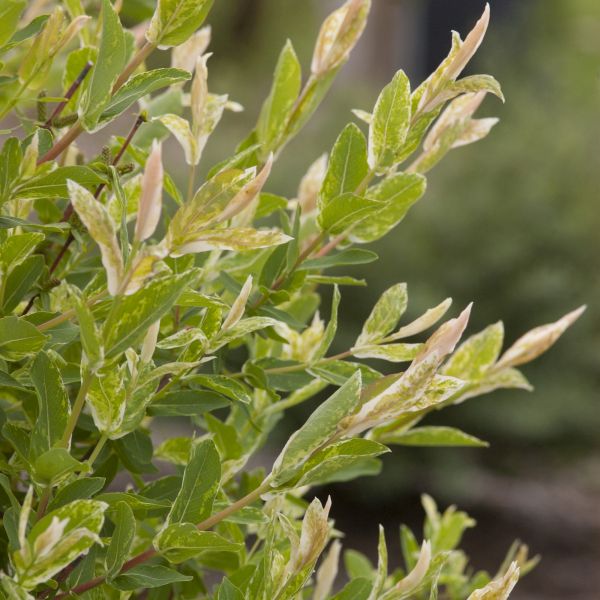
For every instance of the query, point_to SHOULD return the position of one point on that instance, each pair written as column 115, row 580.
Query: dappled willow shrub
column 125, row 301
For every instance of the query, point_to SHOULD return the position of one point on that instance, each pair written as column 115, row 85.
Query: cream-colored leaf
column 150, row 205
column 338, row 35
column 248, row 193
column 185, row 56
column 240, row 239
column 416, row 576
column 314, row 534
column 327, row 572
column 199, row 93
column 239, row 305
column 537, row 341
column 101, row 228
column 310, row 185
column 425, row 321
column 430, row 93
column 180, row 128
column 500, row 588
column 149, row 343
column 459, row 110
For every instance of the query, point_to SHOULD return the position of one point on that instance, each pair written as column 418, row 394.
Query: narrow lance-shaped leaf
column 385, row 315
column 537, row 341
column 54, row 407
column 347, row 167
column 237, row 308
column 174, row 21
column 108, row 66
column 461, row 53
column 390, row 124
column 185, row 55
column 338, row 35
column 151, row 196
column 121, row 540
column 317, row 430
column 102, row 230
column 136, row 313
column 278, row 106
column 500, row 588
column 201, row 480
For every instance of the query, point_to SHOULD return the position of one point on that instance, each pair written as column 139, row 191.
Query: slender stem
column 191, row 182
column 140, row 56
column 62, row 144
column 282, row 278
column 69, row 94
column 151, row 552
column 69, row 314
column 69, row 210
column 86, row 382
column 43, row 505
column 97, row 449
column 76, row 130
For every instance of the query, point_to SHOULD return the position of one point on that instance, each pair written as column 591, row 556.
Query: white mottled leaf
column 101, row 228
column 537, row 341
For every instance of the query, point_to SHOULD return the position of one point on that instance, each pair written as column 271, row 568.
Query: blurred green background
column 512, row 223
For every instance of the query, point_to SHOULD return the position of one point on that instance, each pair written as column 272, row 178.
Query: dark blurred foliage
column 512, row 223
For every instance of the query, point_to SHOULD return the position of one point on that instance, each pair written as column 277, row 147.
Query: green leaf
column 328, row 464
column 137, row 312
column 140, row 505
column 338, row 372
column 240, row 239
column 139, row 86
column 10, row 13
column 347, row 167
column 174, row 21
column 16, row 248
column 477, row 354
column 231, row 388
column 357, row 589
column 76, row 490
column 389, row 352
column 382, row 567
column 21, row 279
column 10, row 165
column 54, row 184
column 58, row 539
column 353, row 256
column 317, row 430
column 147, row 577
column 432, row 436
column 200, row 484
column 331, row 329
column 121, row 540
column 19, row 339
column 91, row 341
column 101, row 228
column 187, row 403
column 228, row 591
column 278, row 106
column 182, row 541
column 54, row 407
column 112, row 55
column 175, row 450
column 345, row 211
column 31, row 29
column 385, row 315
column 54, row 465
column 397, row 194
column 390, row 124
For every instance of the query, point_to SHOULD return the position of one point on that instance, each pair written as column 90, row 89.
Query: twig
column 69, row 94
